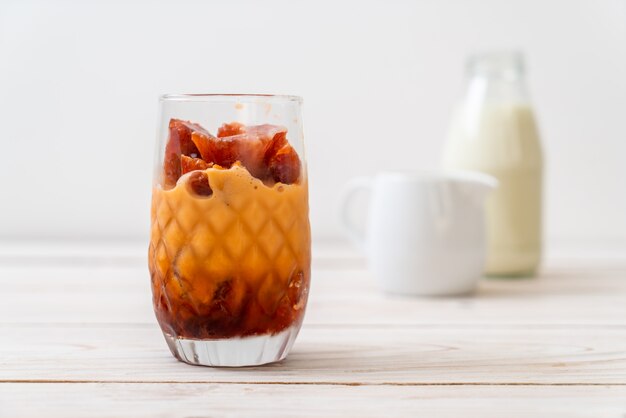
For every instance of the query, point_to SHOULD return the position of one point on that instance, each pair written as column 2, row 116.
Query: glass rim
column 227, row 97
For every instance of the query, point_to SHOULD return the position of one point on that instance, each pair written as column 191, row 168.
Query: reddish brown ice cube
column 284, row 166
column 188, row 164
column 179, row 143
column 220, row 151
column 262, row 149
column 231, row 129
column 278, row 141
column 253, row 146
column 199, row 183
column 256, row 144
column 171, row 170
column 251, row 151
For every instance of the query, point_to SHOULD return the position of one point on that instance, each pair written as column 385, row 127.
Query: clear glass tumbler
column 230, row 246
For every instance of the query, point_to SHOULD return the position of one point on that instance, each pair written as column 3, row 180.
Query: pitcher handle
column 355, row 232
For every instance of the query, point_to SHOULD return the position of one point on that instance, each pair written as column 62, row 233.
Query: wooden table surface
column 79, row 339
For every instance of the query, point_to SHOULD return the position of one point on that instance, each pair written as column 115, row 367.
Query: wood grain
column 325, row 354
column 78, row 338
column 212, row 400
column 121, row 294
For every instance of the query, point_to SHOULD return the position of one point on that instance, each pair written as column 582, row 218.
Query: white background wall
column 79, row 83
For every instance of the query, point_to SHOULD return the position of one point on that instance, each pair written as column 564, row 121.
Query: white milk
column 494, row 131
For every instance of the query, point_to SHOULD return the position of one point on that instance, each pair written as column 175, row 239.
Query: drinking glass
column 230, row 246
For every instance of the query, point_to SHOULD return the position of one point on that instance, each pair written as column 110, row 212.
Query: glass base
column 233, row 352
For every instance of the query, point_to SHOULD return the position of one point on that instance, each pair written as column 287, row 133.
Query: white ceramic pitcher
column 425, row 231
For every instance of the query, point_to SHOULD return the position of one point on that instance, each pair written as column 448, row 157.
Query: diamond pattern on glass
column 212, row 258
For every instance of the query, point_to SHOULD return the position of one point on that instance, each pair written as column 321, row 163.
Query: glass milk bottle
column 493, row 130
